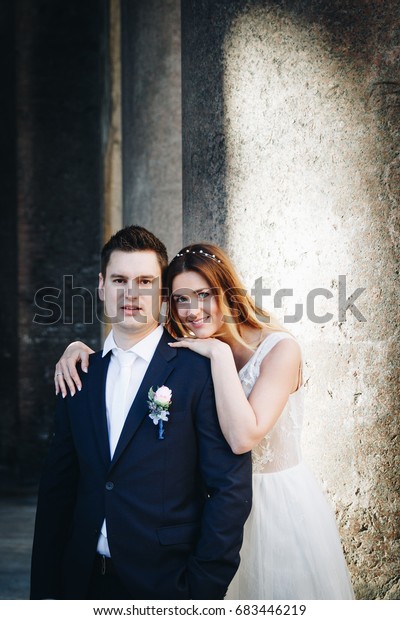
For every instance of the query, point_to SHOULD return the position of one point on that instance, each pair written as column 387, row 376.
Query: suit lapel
column 156, row 375
column 97, row 388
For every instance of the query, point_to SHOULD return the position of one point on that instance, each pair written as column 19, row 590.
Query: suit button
column 109, row 486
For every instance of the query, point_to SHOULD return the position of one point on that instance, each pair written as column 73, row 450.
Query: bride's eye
column 181, row 299
column 204, row 294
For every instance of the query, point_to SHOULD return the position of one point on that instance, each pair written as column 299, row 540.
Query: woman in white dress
column 291, row 548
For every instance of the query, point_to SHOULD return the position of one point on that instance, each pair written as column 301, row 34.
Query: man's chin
column 134, row 324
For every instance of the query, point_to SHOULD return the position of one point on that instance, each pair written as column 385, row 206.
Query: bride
column 291, row 548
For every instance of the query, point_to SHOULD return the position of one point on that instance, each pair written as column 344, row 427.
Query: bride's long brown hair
column 238, row 307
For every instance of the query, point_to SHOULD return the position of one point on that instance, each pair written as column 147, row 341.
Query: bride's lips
column 198, row 322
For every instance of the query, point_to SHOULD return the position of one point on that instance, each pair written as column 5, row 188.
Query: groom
column 133, row 505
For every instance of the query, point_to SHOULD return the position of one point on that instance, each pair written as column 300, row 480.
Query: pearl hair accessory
column 212, row 256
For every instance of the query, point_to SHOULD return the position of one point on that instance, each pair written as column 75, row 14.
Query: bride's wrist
column 220, row 351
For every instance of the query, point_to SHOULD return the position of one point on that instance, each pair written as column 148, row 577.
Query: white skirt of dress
column 291, row 548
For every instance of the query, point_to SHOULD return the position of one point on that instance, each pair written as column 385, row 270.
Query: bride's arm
column 245, row 422
column 65, row 372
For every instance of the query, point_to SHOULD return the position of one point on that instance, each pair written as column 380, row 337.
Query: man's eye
column 119, row 281
column 145, row 281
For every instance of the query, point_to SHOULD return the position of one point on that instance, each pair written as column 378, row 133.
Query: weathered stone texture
column 308, row 187
column 59, row 68
column 151, row 107
column 204, row 27
column 8, row 242
column 113, row 209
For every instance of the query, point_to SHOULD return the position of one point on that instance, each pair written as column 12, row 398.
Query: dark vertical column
column 61, row 50
column 204, row 25
column 8, row 243
column 151, row 117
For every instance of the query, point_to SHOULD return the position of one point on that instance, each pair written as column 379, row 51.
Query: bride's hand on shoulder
column 66, row 373
column 208, row 347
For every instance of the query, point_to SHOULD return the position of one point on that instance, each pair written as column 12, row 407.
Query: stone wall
column 291, row 162
column 8, row 243
column 151, row 112
column 55, row 56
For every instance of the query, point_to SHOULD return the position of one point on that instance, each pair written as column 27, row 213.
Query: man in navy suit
column 133, row 506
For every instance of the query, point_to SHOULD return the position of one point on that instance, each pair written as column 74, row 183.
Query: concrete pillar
column 8, row 243
column 60, row 68
column 290, row 161
column 204, row 26
column 113, row 209
column 151, row 110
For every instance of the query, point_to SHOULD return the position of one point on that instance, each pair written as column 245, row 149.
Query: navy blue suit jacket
column 175, row 508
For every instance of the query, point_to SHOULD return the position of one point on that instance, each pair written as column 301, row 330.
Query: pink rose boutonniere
column 159, row 402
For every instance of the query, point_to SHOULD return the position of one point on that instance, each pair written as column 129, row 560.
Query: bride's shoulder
column 280, row 343
column 270, row 338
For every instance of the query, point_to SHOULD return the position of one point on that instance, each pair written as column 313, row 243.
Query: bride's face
column 196, row 304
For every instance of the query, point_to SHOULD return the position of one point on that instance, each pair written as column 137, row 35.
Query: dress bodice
column 280, row 448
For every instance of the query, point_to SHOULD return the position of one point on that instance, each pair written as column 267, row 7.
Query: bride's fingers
column 57, row 376
column 73, row 376
column 85, row 360
column 67, row 378
column 59, row 380
column 184, row 343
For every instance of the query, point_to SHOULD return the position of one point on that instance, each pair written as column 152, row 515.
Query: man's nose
column 132, row 290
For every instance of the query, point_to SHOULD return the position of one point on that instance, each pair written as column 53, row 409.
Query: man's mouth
column 129, row 309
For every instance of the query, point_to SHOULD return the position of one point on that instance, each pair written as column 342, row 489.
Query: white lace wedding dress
column 291, row 548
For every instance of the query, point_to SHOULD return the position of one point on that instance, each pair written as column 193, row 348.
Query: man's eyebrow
column 120, row 275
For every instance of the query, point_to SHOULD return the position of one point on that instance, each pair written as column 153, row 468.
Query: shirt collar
column 145, row 348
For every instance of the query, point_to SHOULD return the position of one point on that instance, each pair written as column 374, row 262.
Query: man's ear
column 101, row 287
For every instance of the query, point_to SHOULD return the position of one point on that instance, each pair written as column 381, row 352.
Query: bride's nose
column 193, row 313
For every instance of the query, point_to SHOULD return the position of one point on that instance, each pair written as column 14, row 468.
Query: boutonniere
column 159, row 402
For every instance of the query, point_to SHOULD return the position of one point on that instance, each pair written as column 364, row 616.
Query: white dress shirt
column 143, row 353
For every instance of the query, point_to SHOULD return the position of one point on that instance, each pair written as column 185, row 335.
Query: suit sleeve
column 56, row 501
column 227, row 478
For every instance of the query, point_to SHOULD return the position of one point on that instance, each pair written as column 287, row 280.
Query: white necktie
column 120, row 405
